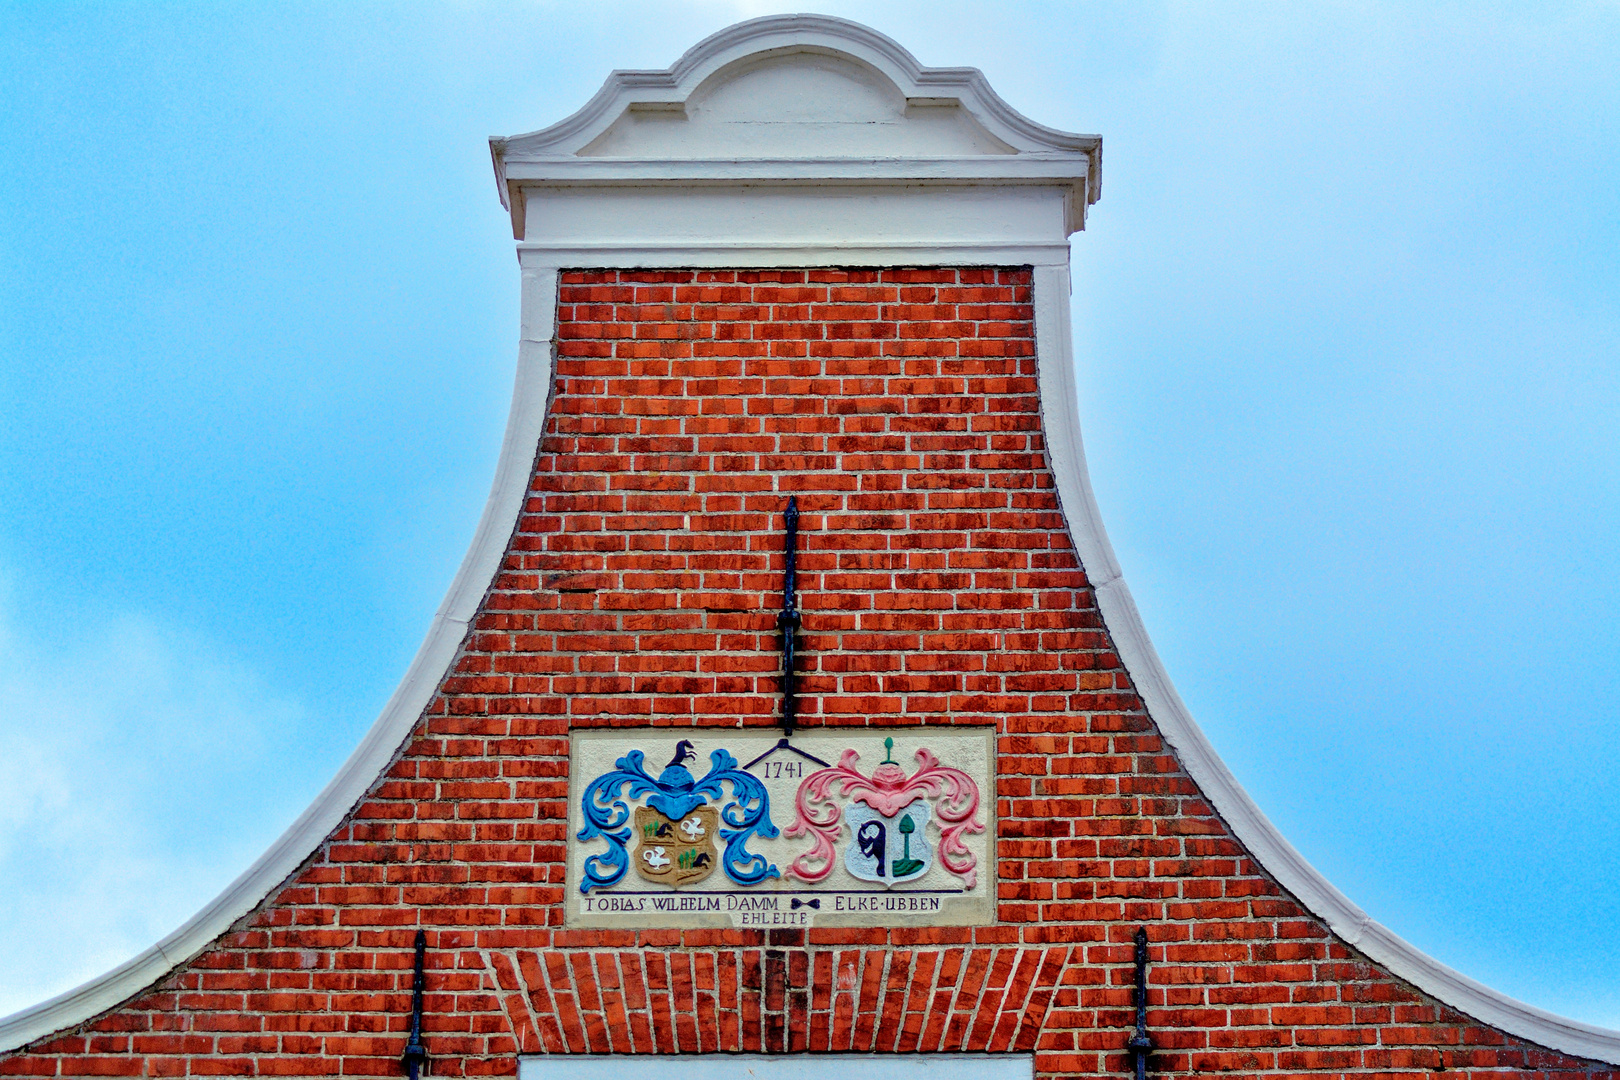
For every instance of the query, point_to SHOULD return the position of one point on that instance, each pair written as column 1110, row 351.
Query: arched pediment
column 798, row 98
column 804, row 102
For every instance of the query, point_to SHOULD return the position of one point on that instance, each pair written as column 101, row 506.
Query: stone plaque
column 692, row 827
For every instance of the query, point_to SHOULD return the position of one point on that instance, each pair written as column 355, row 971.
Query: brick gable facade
column 940, row 586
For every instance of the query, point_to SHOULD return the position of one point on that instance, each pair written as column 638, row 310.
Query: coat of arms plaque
column 834, row 827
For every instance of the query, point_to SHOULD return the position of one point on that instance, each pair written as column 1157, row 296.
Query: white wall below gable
column 796, row 215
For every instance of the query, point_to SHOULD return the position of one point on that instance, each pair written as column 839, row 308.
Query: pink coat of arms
column 887, row 817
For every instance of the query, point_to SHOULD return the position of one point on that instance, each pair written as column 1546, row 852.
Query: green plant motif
column 906, row 865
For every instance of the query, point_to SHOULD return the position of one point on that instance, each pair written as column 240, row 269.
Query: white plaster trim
column 392, row 728
column 1060, row 409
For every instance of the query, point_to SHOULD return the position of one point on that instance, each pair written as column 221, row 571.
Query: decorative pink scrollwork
column 888, row 791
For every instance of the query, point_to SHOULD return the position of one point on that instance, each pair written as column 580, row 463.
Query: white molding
column 1060, row 411
column 387, row 736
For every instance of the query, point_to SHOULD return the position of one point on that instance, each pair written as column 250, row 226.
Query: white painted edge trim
column 1060, row 409
column 788, row 253
column 388, row 734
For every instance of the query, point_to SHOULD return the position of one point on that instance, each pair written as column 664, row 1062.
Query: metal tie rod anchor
column 787, row 621
column 415, row 1053
column 1141, row 1043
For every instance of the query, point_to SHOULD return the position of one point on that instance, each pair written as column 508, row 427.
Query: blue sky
column 1348, row 336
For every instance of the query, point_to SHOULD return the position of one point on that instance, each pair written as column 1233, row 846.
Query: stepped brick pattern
column 640, row 587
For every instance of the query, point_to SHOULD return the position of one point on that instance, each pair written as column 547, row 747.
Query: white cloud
column 131, row 788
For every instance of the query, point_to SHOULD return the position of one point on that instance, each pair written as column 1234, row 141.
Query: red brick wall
column 939, row 587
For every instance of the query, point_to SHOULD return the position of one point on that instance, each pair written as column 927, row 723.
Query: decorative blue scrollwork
column 745, row 814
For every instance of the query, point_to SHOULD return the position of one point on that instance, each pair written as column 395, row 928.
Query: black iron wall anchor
column 415, row 1053
column 787, row 621
column 1141, row 1044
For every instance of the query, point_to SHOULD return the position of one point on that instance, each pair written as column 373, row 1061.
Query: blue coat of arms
column 744, row 811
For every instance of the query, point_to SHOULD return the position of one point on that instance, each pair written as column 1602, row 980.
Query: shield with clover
column 676, row 853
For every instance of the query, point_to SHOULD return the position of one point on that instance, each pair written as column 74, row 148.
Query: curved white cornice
column 558, row 154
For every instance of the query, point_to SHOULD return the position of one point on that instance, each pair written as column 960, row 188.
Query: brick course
column 939, row 586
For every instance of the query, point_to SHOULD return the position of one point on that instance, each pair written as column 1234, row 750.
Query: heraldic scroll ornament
column 677, row 826
column 892, row 845
column 893, row 810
